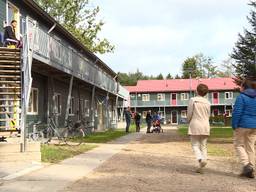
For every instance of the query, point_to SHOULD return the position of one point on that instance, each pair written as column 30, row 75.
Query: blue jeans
column 128, row 123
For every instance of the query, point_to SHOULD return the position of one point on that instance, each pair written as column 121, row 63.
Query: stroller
column 157, row 127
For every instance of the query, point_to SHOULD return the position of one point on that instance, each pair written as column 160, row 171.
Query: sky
column 156, row 36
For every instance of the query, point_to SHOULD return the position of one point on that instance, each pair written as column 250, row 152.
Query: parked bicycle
column 70, row 135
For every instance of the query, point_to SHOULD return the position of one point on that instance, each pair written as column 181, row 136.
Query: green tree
column 244, row 52
column 80, row 20
column 177, row 77
column 190, row 67
column 160, row 77
column 169, row 76
column 199, row 66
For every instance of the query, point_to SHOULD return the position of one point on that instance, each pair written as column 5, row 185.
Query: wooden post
column 69, row 98
column 93, row 108
column 116, row 111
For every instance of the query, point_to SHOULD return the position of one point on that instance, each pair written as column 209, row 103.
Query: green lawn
column 57, row 153
column 219, row 141
column 216, row 132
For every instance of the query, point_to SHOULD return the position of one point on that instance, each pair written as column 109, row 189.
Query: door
column 174, row 117
column 174, row 99
column 215, row 98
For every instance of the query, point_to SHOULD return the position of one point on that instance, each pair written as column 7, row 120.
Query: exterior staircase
column 10, row 89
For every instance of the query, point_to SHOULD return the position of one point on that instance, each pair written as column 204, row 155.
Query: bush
column 220, row 120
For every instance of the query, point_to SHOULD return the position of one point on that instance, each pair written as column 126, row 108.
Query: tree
column 226, row 68
column 160, row 77
column 244, row 52
column 169, row 76
column 177, row 77
column 190, row 67
column 199, row 66
column 80, row 20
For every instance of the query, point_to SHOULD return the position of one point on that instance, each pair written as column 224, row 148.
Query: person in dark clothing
column 149, row 121
column 128, row 115
column 137, row 121
column 10, row 36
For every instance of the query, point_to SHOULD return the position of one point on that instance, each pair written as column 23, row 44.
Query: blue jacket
column 244, row 113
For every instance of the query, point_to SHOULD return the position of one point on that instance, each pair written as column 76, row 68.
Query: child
column 199, row 127
column 244, row 125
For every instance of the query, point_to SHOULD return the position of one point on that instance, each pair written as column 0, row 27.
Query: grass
column 216, row 132
column 219, row 140
column 219, row 151
column 57, row 153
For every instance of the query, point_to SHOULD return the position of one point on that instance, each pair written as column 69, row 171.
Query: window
column 144, row 114
column 184, row 96
column 13, row 14
column 160, row 97
column 57, row 103
column 132, row 96
column 228, row 113
column 228, row 95
column 33, row 102
column 184, row 114
column 86, row 108
column 71, row 110
column 145, row 97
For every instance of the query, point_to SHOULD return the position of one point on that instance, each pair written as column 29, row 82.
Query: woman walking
column 244, row 125
column 199, row 127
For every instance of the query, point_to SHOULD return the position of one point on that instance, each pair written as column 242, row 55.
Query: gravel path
column 163, row 163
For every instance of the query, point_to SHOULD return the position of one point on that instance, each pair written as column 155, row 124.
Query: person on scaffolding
column 10, row 39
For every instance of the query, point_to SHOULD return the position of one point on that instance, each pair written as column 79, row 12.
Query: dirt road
column 164, row 163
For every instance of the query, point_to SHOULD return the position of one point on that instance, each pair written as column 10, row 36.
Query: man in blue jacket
column 244, row 125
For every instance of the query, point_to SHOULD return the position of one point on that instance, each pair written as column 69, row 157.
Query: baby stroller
column 157, row 127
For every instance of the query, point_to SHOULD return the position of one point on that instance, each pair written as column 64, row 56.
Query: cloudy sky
column 156, row 36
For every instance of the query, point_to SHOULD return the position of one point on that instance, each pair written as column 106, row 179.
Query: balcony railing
column 58, row 54
column 135, row 103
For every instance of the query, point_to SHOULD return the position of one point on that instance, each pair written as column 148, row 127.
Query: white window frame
column 32, row 99
column 182, row 115
column 184, row 96
column 230, row 112
column 147, row 97
column 18, row 20
column 71, row 110
column 230, row 95
column 160, row 97
column 59, row 108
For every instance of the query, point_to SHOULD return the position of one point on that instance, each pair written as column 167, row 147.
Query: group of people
column 128, row 118
column 150, row 119
column 243, row 124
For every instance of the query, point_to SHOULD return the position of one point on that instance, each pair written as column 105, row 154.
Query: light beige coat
column 198, row 116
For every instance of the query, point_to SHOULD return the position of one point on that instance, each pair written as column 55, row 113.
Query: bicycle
column 71, row 135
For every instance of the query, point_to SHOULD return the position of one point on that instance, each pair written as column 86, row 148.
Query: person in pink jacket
column 199, row 127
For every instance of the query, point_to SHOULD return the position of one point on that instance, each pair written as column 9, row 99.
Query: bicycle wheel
column 73, row 137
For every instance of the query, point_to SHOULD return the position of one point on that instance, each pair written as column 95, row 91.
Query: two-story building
column 170, row 97
column 59, row 75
